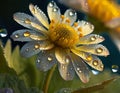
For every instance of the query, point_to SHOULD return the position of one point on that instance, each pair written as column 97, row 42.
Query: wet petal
column 91, row 60
column 80, row 68
column 91, row 39
column 53, row 11
column 70, row 16
column 96, row 49
column 62, row 55
column 39, row 14
column 45, row 60
column 83, row 27
column 34, row 47
column 27, row 35
column 28, row 21
column 66, row 71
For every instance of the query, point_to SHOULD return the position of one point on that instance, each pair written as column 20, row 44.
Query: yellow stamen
column 63, row 35
column 80, row 35
column 62, row 17
column 75, row 24
column 67, row 20
column 80, row 29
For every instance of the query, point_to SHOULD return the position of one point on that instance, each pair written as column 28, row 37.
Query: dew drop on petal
column 72, row 13
column 3, row 32
column 16, row 36
column 99, row 50
column 55, row 9
column 50, row 58
column 36, row 46
column 27, row 49
column 95, row 62
column 26, row 34
column 38, row 61
column 115, row 68
column 51, row 4
column 93, row 38
column 95, row 72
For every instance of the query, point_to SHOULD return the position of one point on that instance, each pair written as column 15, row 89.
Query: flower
column 64, row 41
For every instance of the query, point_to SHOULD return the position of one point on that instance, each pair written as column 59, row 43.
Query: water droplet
column 95, row 72
column 26, row 34
column 27, row 49
column 63, row 67
column 93, row 38
column 49, row 58
column 89, row 58
column 67, row 60
column 3, row 32
column 115, row 68
column 27, row 21
column 52, row 3
column 72, row 13
column 38, row 61
column 55, row 9
column 95, row 62
column 36, row 46
column 78, row 69
column 99, row 50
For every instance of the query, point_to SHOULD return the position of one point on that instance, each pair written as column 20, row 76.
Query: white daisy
column 62, row 41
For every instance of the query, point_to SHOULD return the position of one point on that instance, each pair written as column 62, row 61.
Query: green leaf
column 4, row 68
column 96, row 87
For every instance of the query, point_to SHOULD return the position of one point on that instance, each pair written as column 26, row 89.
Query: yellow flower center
column 63, row 35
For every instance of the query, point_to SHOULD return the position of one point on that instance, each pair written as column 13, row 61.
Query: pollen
column 67, row 20
column 63, row 35
column 80, row 29
column 62, row 17
column 75, row 24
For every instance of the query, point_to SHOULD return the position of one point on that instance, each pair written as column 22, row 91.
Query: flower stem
column 48, row 79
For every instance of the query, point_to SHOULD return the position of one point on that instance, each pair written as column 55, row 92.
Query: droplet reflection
column 115, row 68
column 95, row 72
column 3, row 32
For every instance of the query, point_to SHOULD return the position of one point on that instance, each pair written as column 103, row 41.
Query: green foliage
column 27, row 76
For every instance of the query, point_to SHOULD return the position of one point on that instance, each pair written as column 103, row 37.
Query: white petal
column 39, row 14
column 70, row 15
column 80, row 68
column 46, row 59
column 28, row 21
column 66, row 71
column 27, row 35
column 91, row 39
column 53, row 11
column 96, row 49
column 62, row 55
column 91, row 60
column 34, row 47
column 84, row 27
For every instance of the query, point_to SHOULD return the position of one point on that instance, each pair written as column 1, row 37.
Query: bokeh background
column 9, row 7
